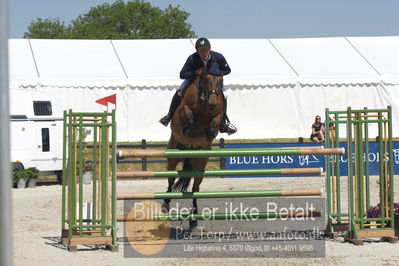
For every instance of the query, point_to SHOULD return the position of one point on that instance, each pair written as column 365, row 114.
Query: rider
column 197, row 60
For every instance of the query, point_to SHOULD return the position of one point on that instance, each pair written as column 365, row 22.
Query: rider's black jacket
column 194, row 62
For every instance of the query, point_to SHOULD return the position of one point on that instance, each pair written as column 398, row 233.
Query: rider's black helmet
column 202, row 42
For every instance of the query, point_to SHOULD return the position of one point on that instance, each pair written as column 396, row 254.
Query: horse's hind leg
column 194, row 208
column 172, row 163
column 198, row 165
column 166, row 202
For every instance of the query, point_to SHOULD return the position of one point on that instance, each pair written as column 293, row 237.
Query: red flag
column 106, row 100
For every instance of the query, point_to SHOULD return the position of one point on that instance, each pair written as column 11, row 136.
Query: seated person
column 332, row 130
column 318, row 130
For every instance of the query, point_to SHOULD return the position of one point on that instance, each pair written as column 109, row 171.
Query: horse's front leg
column 188, row 122
column 214, row 126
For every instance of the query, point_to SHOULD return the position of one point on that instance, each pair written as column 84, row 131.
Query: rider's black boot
column 226, row 126
column 176, row 100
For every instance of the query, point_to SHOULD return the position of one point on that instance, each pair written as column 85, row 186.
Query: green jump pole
column 391, row 167
column 219, row 194
column 229, row 152
column 217, row 173
column 220, row 216
column 64, row 175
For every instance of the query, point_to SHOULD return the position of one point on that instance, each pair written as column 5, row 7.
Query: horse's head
column 210, row 87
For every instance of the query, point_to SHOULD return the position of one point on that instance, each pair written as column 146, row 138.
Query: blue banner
column 303, row 161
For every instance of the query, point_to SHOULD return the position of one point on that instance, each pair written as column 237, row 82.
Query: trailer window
column 42, row 108
column 45, row 139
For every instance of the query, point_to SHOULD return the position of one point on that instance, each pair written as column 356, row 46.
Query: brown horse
column 195, row 124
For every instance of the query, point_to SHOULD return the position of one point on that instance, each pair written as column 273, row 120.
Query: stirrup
column 228, row 128
column 165, row 120
column 231, row 129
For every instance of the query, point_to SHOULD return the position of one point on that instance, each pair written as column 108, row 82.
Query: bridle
column 203, row 94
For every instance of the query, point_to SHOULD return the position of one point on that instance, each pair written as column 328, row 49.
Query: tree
column 47, row 29
column 131, row 20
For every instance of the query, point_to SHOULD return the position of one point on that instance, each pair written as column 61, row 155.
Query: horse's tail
column 182, row 184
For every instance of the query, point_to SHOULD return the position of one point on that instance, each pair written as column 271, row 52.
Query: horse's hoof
column 165, row 207
column 193, row 224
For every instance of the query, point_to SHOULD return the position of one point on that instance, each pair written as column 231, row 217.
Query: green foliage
column 47, row 29
column 33, row 172
column 131, row 20
column 28, row 173
column 21, row 174
column 86, row 166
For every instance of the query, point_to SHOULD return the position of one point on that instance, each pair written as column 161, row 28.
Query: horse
column 194, row 125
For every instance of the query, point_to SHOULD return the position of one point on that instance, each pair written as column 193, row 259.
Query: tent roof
column 65, row 59
column 157, row 63
column 254, row 62
column 382, row 53
column 325, row 58
column 153, row 63
column 21, row 61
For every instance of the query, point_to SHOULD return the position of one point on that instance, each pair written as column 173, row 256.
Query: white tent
column 275, row 89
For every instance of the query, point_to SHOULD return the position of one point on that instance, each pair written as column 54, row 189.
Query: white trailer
column 36, row 125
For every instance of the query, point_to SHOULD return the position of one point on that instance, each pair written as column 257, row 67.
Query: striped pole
column 219, row 194
column 219, row 216
column 217, row 173
column 229, row 152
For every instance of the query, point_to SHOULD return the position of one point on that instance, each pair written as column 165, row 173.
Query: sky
column 244, row 18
